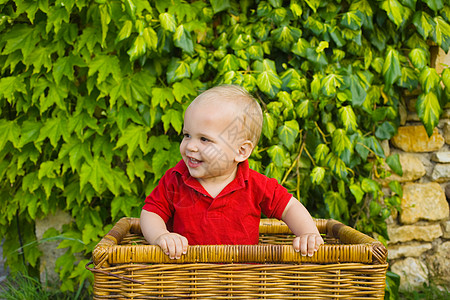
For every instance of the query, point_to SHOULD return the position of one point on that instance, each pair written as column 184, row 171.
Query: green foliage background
column 92, row 95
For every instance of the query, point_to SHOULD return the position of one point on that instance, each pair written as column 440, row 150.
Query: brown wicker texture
column 350, row 265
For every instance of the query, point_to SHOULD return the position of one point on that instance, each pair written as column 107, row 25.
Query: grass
column 24, row 287
column 426, row 292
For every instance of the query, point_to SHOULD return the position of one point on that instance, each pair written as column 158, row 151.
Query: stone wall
column 419, row 246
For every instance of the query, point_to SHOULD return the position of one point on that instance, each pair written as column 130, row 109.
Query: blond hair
column 248, row 109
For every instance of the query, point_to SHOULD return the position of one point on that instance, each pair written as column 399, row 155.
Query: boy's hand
column 172, row 244
column 307, row 243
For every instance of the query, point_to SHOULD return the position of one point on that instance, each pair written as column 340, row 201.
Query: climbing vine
column 92, row 95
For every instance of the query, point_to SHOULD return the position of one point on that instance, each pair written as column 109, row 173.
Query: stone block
column 412, row 167
column 441, row 61
column 415, row 139
column 439, row 264
column 407, row 233
column 423, row 201
column 413, row 273
column 409, row 250
column 50, row 253
column 441, row 157
column 446, row 230
column 446, row 132
column 441, row 173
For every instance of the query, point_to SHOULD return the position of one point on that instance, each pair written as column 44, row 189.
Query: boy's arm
column 155, row 232
column 297, row 217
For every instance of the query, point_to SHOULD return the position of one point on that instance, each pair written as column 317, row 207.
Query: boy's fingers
column 311, row 245
column 304, row 245
column 296, row 244
column 185, row 244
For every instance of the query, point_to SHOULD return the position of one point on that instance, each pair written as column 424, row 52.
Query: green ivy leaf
column 172, row 117
column 341, row 141
column 357, row 192
column 168, row 22
column 10, row 85
column 409, row 79
column 54, row 129
column 317, row 175
column 120, row 204
column 336, row 165
column 21, row 37
column 424, row 23
column 133, row 136
column 150, row 38
column 288, row 133
column 125, row 32
column 269, row 83
column 393, row 162
column 138, row 48
column 284, row 37
column 29, row 133
column 351, row 20
column 229, row 63
column 182, row 39
column 428, row 110
column 357, row 89
column 348, row 118
column 277, row 154
column 305, row 109
column 395, row 11
column 184, row 89
column 441, row 33
column 160, row 96
column 220, row 5
column 315, row 86
column 435, row 5
column 369, row 185
column 331, row 83
column 429, row 79
column 373, row 144
column 336, row 205
column 321, row 152
column 385, row 131
column 177, row 70
column 9, row 131
column 313, row 4
column 90, row 37
column 77, row 151
column 64, row 66
column 396, row 187
column 269, row 125
column 391, row 67
column 105, row 65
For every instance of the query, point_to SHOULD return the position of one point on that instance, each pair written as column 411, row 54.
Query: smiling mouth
column 192, row 162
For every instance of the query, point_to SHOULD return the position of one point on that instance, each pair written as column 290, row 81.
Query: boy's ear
column 244, row 151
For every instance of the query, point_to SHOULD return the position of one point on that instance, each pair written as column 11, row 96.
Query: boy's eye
column 203, row 139
column 186, row 135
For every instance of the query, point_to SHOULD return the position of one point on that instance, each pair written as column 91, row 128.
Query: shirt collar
column 237, row 183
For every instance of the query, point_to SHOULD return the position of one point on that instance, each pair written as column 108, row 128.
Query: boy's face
column 211, row 142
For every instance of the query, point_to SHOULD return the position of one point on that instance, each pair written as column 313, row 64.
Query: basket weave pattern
column 350, row 265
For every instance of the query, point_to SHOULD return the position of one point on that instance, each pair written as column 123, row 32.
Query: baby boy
column 212, row 196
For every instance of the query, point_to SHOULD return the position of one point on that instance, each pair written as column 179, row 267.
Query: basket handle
column 110, row 274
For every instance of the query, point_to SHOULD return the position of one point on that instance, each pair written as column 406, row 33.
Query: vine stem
column 302, row 146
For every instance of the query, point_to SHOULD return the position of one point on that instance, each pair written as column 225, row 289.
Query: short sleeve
column 275, row 199
column 159, row 201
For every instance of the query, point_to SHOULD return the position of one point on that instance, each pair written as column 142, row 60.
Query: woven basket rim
column 356, row 247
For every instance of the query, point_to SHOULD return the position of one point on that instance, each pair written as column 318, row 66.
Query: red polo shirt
column 230, row 218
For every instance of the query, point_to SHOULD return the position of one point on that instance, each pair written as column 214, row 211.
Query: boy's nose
column 192, row 146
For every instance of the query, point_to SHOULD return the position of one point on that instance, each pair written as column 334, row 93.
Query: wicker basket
column 350, row 265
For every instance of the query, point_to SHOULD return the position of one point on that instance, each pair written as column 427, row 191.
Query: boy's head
column 248, row 113
column 221, row 128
